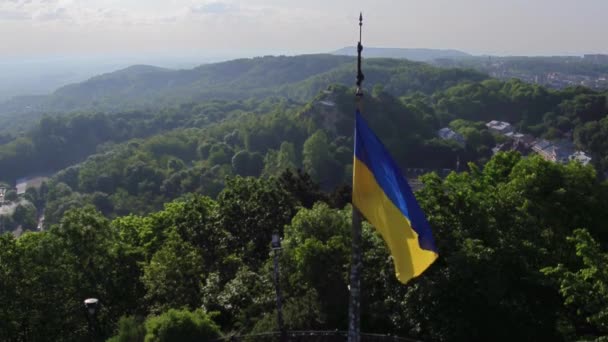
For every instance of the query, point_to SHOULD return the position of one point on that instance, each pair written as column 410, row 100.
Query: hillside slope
column 420, row 55
column 298, row 78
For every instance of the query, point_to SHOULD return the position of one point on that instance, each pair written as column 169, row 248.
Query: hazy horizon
column 50, row 43
column 42, row 74
column 34, row 28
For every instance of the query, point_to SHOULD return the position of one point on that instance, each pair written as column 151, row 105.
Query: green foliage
column 10, row 280
column 25, row 215
column 11, row 196
column 172, row 325
column 276, row 162
column 247, row 164
column 174, row 276
column 147, row 159
column 585, row 289
column 54, row 271
column 54, row 143
column 250, row 210
column 316, row 155
column 181, row 325
column 505, row 223
column 496, row 229
column 130, row 329
column 182, row 223
column 296, row 78
column 316, row 238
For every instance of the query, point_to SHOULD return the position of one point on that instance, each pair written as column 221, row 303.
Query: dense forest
column 529, row 65
column 298, row 78
column 520, row 244
column 165, row 211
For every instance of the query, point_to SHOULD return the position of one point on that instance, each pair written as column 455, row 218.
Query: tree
column 172, row 325
column 250, row 210
column 26, row 216
column 316, row 154
column 130, row 329
column 11, row 196
column 11, row 280
column 318, row 161
column 181, row 325
column 240, row 297
column 247, row 164
column 495, row 229
column 287, row 158
column 301, row 186
column 220, row 154
column 377, row 90
column 585, row 290
column 276, row 162
column 77, row 259
column 174, row 276
column 194, row 219
column 315, row 239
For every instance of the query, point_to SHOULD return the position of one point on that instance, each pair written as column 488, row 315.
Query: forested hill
column 299, row 78
column 166, row 214
column 421, row 55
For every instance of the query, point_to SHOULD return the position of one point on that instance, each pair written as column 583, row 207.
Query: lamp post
column 91, row 306
column 276, row 247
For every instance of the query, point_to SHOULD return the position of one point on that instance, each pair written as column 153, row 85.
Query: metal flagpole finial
column 354, row 307
column 360, row 76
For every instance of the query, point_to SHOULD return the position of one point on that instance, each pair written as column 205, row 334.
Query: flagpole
column 354, row 309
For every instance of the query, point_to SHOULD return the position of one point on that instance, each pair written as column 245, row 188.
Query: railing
column 311, row 336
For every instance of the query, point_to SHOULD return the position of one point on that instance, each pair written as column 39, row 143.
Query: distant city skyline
column 39, row 28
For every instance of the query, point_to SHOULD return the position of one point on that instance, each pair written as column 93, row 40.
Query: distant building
column 448, row 134
column 500, row 127
column 525, row 139
column 544, row 148
column 512, row 145
column 562, row 151
column 520, row 137
column 596, row 58
column 580, row 157
column 21, row 186
column 558, row 152
column 559, row 155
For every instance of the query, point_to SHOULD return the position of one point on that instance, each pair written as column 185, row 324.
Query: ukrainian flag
column 383, row 196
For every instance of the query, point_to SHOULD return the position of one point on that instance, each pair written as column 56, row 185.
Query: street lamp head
column 91, row 304
column 276, row 240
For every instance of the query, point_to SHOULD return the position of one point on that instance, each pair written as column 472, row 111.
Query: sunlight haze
column 518, row 27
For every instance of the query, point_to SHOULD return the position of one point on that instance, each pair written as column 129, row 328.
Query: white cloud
column 72, row 12
column 52, row 13
column 12, row 14
column 216, row 7
column 476, row 25
column 35, row 10
column 108, row 12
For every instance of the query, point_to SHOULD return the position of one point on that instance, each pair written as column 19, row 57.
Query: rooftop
column 542, row 144
column 498, row 125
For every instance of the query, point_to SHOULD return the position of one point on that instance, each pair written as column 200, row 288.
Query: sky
column 42, row 28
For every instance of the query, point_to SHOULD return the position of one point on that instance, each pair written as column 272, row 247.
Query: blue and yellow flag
column 382, row 195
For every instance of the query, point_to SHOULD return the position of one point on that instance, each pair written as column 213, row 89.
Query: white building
column 580, row 157
column 21, row 186
column 500, row 127
column 448, row 134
